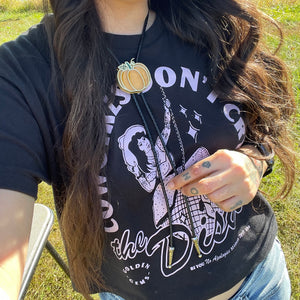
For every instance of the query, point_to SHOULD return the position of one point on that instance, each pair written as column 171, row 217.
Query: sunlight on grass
column 21, row 5
column 14, row 23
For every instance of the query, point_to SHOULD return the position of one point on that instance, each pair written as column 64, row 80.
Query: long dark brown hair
column 241, row 69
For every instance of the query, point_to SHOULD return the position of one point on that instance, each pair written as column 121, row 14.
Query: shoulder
column 25, row 64
column 28, row 51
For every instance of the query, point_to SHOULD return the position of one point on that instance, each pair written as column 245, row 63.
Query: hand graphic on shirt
column 134, row 169
column 228, row 178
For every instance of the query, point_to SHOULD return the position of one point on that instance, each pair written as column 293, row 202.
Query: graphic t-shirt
column 189, row 119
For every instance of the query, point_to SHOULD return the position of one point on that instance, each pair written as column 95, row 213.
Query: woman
column 63, row 114
column 134, row 139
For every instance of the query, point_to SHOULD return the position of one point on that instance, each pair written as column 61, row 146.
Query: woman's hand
column 228, row 178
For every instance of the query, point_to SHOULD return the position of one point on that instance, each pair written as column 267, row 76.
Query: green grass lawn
column 49, row 282
column 14, row 23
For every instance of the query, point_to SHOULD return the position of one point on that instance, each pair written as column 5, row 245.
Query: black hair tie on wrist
column 270, row 161
column 269, row 156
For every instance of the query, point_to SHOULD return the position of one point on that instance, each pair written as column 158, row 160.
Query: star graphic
column 197, row 117
column 183, row 110
column 193, row 132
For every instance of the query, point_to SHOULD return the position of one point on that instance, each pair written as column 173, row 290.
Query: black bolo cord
column 142, row 96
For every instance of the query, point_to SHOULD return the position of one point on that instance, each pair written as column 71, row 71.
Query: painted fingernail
column 170, row 185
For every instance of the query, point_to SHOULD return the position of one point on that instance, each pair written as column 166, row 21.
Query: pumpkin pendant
column 133, row 78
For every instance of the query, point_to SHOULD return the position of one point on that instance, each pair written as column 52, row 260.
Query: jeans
column 268, row 281
column 109, row 296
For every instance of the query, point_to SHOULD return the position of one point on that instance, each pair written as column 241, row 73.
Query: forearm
column 10, row 279
column 16, row 211
column 11, row 272
column 4, row 295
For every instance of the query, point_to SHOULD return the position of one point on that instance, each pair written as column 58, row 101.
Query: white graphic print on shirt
column 211, row 223
column 136, row 136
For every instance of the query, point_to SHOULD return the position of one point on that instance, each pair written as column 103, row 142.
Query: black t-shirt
column 193, row 123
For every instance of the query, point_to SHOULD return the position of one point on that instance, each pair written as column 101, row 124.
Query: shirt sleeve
column 23, row 154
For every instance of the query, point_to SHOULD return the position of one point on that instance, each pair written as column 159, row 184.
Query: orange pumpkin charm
column 133, row 77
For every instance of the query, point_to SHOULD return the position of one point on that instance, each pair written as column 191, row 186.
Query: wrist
column 259, row 151
column 269, row 158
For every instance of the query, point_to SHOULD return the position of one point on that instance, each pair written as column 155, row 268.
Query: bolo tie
column 133, row 77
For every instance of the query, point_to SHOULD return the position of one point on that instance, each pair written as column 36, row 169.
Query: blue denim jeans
column 268, row 281
column 109, row 296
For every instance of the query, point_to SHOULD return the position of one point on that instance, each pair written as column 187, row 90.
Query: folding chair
column 41, row 225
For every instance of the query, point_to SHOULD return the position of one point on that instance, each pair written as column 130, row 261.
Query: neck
column 124, row 17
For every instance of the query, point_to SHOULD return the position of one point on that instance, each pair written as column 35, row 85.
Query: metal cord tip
column 171, row 252
column 196, row 244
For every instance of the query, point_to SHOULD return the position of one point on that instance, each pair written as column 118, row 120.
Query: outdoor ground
column 49, row 282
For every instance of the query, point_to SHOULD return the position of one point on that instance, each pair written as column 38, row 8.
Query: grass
column 21, row 5
column 13, row 23
column 49, row 282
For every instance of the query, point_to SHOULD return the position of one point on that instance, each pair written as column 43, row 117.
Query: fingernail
column 170, row 185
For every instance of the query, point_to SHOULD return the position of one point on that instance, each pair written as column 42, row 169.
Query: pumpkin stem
column 129, row 65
